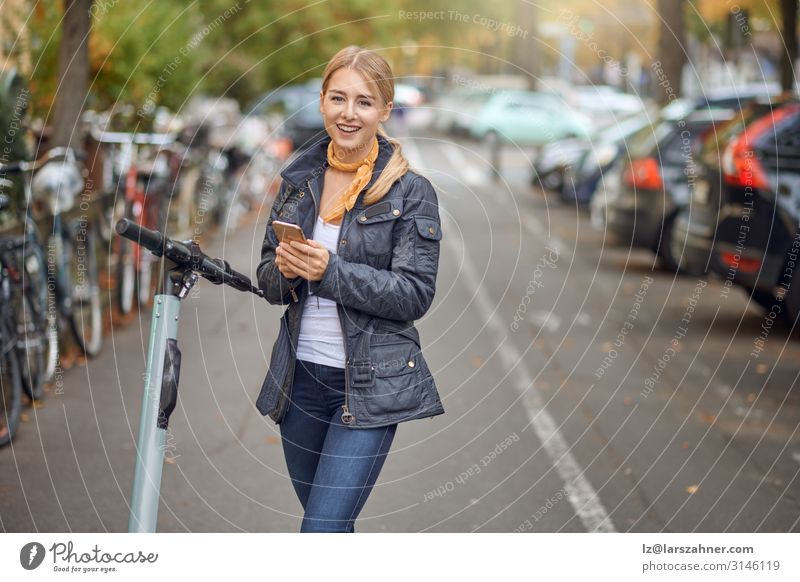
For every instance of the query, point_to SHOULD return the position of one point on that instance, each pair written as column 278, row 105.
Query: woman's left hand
column 309, row 260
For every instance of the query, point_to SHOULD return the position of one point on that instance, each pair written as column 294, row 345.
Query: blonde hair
column 377, row 71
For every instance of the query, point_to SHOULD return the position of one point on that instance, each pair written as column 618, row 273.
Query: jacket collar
column 313, row 162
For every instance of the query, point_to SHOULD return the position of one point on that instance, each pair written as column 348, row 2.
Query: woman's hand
column 283, row 264
column 308, row 260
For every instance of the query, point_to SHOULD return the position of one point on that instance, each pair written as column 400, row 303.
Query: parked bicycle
column 55, row 283
column 10, row 370
column 140, row 173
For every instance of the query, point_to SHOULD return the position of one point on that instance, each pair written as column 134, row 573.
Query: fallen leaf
column 476, row 360
column 751, row 397
column 627, row 401
column 606, row 347
column 691, row 489
column 709, row 418
column 761, row 369
column 685, row 445
column 24, row 417
column 273, row 440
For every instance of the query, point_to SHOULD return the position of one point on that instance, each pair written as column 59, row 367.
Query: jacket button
column 363, row 218
column 396, row 212
column 431, row 230
column 302, row 193
column 344, row 242
column 411, row 363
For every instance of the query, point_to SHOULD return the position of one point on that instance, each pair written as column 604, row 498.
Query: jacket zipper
column 347, row 416
column 285, row 397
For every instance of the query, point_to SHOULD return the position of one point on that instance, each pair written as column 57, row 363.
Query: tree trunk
column 525, row 48
column 73, row 74
column 668, row 69
column 789, row 52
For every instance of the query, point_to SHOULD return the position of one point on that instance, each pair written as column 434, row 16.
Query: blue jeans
column 333, row 468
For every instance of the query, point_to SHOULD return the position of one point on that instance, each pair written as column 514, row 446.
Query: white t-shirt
column 320, row 339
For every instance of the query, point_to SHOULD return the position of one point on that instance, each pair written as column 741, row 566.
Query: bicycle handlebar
column 34, row 165
column 187, row 254
column 139, row 138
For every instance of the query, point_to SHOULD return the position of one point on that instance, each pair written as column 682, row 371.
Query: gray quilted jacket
column 383, row 278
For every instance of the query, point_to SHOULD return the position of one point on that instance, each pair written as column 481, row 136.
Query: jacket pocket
column 376, row 223
column 396, row 387
column 428, row 228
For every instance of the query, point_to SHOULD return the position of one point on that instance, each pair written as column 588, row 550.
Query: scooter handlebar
column 187, row 254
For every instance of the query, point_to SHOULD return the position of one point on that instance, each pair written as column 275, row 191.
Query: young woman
column 347, row 366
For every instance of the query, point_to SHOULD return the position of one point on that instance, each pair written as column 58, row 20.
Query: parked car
column 745, row 211
column 528, row 118
column 555, row 159
column 655, row 182
column 721, row 98
column 598, row 160
column 298, row 106
column 456, row 111
column 603, row 103
column 695, row 225
column 563, row 157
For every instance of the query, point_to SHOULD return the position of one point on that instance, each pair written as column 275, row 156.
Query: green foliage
column 161, row 52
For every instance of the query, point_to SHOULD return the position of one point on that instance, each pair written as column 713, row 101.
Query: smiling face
column 352, row 109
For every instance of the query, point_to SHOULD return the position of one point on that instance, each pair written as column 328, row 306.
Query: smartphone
column 286, row 231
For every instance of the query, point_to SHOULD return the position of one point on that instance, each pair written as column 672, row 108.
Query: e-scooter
column 181, row 264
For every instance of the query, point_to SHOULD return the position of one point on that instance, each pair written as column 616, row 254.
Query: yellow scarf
column 363, row 169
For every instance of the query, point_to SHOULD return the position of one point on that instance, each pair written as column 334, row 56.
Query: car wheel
column 666, row 249
column 553, row 181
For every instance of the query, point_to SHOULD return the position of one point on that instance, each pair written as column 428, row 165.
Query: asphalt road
column 585, row 389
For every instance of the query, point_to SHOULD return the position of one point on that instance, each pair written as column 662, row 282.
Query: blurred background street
column 615, row 329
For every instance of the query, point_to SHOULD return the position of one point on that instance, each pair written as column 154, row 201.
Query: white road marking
column 582, row 496
column 467, row 172
column 546, row 320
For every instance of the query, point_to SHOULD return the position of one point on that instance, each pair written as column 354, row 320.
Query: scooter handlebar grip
column 150, row 239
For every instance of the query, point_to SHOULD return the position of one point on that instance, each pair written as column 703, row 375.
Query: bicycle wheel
column 86, row 310
column 30, row 345
column 10, row 387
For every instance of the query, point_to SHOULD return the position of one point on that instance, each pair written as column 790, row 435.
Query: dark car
column 559, row 158
column 695, row 225
column 599, row 159
column 654, row 182
column 298, row 105
column 743, row 220
column 553, row 161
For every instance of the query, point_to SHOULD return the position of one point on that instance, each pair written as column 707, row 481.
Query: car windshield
column 715, row 142
column 643, row 142
column 622, row 129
